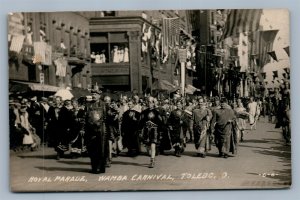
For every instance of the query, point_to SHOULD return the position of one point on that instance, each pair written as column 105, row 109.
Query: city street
column 263, row 161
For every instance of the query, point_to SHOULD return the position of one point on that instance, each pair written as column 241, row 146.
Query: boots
column 108, row 163
column 152, row 163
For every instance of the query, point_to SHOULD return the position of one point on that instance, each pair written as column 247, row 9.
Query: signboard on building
column 182, row 55
column 42, row 78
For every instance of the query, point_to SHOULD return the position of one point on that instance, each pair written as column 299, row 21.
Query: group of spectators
column 101, row 127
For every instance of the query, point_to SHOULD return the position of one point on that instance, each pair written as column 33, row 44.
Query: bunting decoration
column 284, row 75
column 287, row 70
column 170, row 33
column 287, row 50
column 264, row 45
column 242, row 20
column 17, row 43
column 275, row 74
column 39, row 51
column 273, row 55
column 61, row 67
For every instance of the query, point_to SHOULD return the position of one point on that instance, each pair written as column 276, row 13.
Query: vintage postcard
column 149, row 100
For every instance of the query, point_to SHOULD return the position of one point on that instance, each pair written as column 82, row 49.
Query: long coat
column 96, row 136
column 129, row 129
column 223, row 130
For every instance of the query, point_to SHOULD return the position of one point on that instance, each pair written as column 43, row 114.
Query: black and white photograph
column 149, row 100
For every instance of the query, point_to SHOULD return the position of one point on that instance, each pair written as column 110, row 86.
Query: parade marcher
column 258, row 109
column 44, row 113
column 151, row 123
column 188, row 123
column 113, row 131
column 30, row 139
column 277, row 107
column 66, row 122
column 175, row 123
column 286, row 121
column 136, row 102
column 241, row 123
column 270, row 109
column 15, row 133
column 95, row 134
column 36, row 117
column 252, row 109
column 222, row 127
column 130, row 130
column 201, row 118
column 78, row 146
column 52, row 122
column 165, row 138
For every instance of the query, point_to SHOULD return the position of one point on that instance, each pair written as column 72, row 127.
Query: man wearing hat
column 52, row 121
column 96, row 137
column 201, row 118
column 36, row 116
column 151, row 123
column 66, row 122
column 175, row 123
column 129, row 130
column 222, row 127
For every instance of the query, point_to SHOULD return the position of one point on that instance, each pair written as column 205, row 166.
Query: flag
column 40, row 51
column 287, row 70
column 287, row 50
column 170, row 32
column 275, row 74
column 263, row 44
column 17, row 43
column 284, row 75
column 48, row 55
column 61, row 67
column 273, row 55
column 242, row 20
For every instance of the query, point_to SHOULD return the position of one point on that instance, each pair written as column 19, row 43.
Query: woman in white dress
column 126, row 55
column 29, row 138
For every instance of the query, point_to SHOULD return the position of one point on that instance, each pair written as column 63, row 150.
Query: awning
column 191, row 89
column 19, row 86
column 163, row 85
column 76, row 61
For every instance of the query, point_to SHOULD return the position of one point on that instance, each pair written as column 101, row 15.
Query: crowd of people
column 101, row 127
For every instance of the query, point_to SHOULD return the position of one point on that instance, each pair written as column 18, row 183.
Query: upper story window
column 110, row 47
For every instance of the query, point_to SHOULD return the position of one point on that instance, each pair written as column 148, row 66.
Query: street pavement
column 263, row 161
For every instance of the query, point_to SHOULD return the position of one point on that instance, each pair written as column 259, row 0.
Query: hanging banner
column 17, row 43
column 42, row 78
column 39, row 51
column 48, row 55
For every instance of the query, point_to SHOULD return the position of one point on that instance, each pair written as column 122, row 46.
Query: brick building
column 130, row 61
column 65, row 36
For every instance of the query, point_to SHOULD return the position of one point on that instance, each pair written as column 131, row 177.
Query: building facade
column 49, row 48
column 127, row 51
